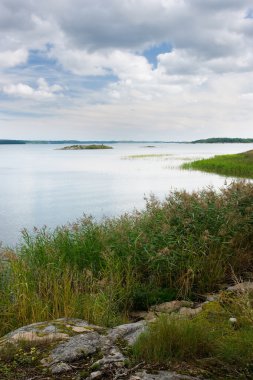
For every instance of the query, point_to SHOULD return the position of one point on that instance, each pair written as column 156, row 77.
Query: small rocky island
column 82, row 147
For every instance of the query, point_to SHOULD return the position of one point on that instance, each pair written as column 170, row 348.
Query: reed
column 102, row 271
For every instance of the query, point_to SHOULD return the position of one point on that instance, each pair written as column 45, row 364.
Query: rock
column 90, row 339
column 171, row 307
column 112, row 356
column 128, row 332
column 161, row 375
column 32, row 336
column 75, row 348
column 74, row 322
column 211, row 297
column 58, row 329
column 50, row 329
column 189, row 312
column 78, row 329
column 36, row 332
column 60, row 368
column 95, row 375
column 241, row 287
column 141, row 315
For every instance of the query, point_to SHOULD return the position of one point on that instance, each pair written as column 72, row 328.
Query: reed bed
column 102, row 271
column 233, row 165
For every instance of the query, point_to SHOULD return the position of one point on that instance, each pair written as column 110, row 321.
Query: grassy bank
column 100, row 272
column 208, row 345
column 234, row 165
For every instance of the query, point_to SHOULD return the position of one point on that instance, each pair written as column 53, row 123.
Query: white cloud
column 10, row 58
column 206, row 80
column 42, row 91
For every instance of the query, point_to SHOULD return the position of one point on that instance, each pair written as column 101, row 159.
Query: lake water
column 40, row 185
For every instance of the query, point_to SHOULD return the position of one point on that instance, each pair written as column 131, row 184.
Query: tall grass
column 101, row 271
column 173, row 338
column 234, row 165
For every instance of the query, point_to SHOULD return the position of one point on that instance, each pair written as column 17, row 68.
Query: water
column 40, row 185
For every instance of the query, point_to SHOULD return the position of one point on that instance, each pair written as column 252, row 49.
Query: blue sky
column 129, row 69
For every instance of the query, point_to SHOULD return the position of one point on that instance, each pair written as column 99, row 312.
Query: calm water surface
column 40, row 185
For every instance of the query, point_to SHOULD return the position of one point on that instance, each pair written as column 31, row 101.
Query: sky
column 126, row 69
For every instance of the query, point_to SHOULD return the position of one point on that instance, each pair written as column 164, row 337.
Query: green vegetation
column 234, row 165
column 100, row 272
column 17, row 359
column 209, row 342
column 22, row 361
column 215, row 140
column 82, row 147
column 140, row 156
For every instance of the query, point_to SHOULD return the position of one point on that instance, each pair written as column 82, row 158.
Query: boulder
column 241, row 287
column 171, row 307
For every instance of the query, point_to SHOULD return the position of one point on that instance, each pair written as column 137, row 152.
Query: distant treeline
column 85, row 142
column 3, row 141
column 214, row 140
column 12, row 142
column 72, row 142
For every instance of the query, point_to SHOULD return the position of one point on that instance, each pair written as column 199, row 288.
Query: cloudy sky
column 126, row 69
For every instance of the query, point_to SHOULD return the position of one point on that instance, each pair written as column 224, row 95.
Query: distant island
column 215, row 140
column 83, row 147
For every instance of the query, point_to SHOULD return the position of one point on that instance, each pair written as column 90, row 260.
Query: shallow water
column 40, row 185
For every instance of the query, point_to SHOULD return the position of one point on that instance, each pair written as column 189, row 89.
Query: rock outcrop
column 73, row 340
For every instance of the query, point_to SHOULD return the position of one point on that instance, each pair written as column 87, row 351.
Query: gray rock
column 60, row 368
column 95, row 375
column 76, row 347
column 111, row 356
column 241, row 287
column 92, row 340
column 211, row 297
column 49, row 329
column 57, row 329
column 128, row 332
column 189, row 312
column 171, row 307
